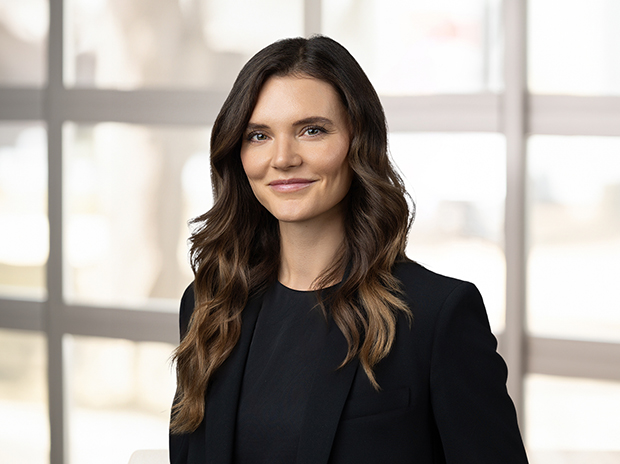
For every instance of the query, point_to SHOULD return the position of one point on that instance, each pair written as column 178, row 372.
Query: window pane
column 568, row 414
column 129, row 191
column 24, row 235
column 162, row 43
column 23, row 42
column 120, row 393
column 24, row 426
column 421, row 46
column 458, row 184
column 574, row 47
column 574, row 217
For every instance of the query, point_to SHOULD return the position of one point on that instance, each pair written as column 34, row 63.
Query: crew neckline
column 306, row 291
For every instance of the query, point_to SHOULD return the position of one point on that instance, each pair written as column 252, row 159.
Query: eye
column 313, row 131
column 256, row 137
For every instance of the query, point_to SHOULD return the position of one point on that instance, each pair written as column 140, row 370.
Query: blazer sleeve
column 475, row 416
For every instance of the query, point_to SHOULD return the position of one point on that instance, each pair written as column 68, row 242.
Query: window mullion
column 312, row 17
column 574, row 115
column 442, row 113
column 574, row 358
column 21, row 104
column 514, row 123
column 54, row 306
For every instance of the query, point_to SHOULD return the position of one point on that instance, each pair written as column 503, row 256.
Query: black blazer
column 443, row 395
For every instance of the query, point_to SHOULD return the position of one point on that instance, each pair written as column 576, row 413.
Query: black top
column 290, row 333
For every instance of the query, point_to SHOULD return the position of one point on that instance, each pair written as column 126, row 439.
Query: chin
column 289, row 214
column 290, row 217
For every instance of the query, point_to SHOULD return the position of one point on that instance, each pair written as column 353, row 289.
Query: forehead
column 284, row 97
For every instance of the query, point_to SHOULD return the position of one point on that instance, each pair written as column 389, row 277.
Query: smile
column 290, row 185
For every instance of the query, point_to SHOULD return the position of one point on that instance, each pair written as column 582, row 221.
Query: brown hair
column 235, row 247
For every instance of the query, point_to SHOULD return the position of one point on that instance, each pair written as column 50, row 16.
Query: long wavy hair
column 235, row 246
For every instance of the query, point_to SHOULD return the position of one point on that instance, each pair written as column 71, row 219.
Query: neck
column 307, row 250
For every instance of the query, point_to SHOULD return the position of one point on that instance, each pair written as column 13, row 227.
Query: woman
column 307, row 335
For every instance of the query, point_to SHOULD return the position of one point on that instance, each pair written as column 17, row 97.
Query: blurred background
column 505, row 123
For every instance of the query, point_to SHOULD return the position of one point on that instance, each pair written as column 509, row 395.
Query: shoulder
column 437, row 301
column 188, row 299
column 188, row 302
column 421, row 284
column 451, row 339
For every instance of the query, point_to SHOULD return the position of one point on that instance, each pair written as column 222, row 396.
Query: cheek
column 255, row 162
column 341, row 170
column 339, row 184
column 253, row 173
column 246, row 162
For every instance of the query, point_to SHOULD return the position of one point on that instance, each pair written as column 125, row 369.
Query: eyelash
column 320, row 130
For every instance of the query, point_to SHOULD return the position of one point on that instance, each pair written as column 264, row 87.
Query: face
column 294, row 150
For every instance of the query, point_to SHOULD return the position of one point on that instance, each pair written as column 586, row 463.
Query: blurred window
column 421, row 46
column 574, row 47
column 24, row 427
column 120, row 393
column 178, row 44
column 458, row 184
column 574, row 218
column 572, row 415
column 24, row 230
column 129, row 190
column 23, row 42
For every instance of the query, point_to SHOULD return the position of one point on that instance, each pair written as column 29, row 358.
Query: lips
column 290, row 185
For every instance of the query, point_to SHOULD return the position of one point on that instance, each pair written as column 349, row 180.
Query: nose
column 285, row 154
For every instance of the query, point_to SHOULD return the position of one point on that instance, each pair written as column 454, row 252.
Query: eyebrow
column 313, row 120
column 310, row 120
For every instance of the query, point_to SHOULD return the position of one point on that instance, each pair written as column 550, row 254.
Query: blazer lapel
column 327, row 397
column 223, row 393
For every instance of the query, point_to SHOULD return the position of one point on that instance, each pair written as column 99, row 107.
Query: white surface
column 149, row 457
